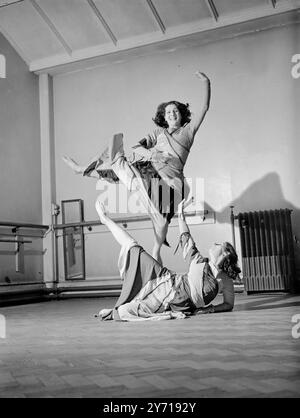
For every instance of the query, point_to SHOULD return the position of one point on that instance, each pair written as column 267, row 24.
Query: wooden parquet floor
column 58, row 349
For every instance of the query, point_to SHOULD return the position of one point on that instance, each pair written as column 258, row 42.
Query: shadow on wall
column 264, row 194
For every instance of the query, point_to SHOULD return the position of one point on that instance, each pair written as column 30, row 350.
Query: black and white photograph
column 149, row 202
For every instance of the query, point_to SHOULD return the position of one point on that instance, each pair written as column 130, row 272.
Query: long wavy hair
column 159, row 118
column 229, row 263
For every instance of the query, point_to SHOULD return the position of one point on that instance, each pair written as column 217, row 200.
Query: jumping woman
column 160, row 155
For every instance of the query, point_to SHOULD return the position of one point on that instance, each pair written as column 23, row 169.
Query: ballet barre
column 123, row 221
column 15, row 232
column 23, row 225
column 16, row 241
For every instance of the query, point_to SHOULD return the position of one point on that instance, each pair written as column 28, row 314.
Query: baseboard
column 24, row 294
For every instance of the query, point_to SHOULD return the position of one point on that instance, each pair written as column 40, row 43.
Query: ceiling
column 57, row 34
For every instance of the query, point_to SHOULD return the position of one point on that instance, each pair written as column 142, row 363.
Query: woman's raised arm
column 205, row 101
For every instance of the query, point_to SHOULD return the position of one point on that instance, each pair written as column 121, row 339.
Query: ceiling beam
column 11, row 3
column 49, row 22
column 212, row 8
column 156, row 16
column 103, row 21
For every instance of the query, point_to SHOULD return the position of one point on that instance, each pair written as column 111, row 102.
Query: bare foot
column 73, row 165
column 101, row 211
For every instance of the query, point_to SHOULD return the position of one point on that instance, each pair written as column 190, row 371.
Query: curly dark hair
column 229, row 264
column 159, row 118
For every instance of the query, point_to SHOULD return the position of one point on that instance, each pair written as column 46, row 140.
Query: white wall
column 246, row 149
column 20, row 184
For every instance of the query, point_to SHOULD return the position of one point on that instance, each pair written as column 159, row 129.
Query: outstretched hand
column 201, row 76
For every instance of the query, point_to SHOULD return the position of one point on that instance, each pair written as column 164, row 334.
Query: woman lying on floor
column 152, row 292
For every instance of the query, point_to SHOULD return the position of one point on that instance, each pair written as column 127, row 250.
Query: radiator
column 267, row 250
